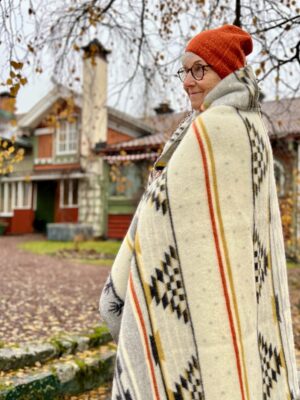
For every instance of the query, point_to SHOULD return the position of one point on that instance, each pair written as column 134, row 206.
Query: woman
column 197, row 298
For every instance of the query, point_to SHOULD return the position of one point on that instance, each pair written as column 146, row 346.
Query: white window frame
column 17, row 193
column 19, row 190
column 69, row 128
column 70, row 194
column 4, row 188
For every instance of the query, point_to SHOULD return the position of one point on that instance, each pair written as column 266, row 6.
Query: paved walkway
column 43, row 295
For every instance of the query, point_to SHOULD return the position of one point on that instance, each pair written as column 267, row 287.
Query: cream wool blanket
column 197, row 298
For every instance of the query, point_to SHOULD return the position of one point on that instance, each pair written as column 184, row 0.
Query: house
column 282, row 120
column 61, row 179
column 86, row 162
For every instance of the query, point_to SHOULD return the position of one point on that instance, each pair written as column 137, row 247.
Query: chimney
column 7, row 102
column 94, row 110
column 163, row 108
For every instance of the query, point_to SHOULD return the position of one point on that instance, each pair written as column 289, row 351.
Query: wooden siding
column 73, row 166
column 118, row 225
column 116, row 137
column 22, row 222
column 44, row 144
column 66, row 214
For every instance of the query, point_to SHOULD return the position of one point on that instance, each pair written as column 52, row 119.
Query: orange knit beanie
column 224, row 49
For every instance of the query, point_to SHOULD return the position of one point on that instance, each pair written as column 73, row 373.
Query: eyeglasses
column 197, row 70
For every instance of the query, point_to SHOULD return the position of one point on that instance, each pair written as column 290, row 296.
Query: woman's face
column 198, row 89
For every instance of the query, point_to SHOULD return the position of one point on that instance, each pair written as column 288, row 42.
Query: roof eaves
column 122, row 117
column 38, row 111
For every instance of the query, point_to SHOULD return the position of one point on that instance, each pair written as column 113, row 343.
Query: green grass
column 106, row 262
column 292, row 265
column 50, row 247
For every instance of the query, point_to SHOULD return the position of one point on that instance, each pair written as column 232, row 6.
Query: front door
column 44, row 213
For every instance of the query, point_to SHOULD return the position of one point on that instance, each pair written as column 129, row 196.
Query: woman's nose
column 189, row 80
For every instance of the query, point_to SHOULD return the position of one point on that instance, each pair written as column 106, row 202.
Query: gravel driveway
column 42, row 295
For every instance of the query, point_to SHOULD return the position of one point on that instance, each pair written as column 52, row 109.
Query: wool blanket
column 197, row 298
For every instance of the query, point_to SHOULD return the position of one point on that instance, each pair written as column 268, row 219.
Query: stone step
column 28, row 354
column 103, row 392
column 71, row 375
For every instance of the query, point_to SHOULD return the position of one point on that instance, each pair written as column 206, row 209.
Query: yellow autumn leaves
column 16, row 79
column 9, row 155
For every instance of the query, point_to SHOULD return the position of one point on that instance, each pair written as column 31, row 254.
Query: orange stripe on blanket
column 220, row 261
column 225, row 248
column 142, row 322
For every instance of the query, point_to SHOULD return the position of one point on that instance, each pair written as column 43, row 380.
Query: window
column 69, row 193
column 66, row 138
column 23, row 195
column 6, row 198
column 15, row 195
column 126, row 180
column 280, row 178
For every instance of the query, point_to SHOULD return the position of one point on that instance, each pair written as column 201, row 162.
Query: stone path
column 43, row 295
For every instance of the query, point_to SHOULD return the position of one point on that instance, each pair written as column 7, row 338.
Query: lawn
column 51, row 247
column 292, row 265
column 104, row 247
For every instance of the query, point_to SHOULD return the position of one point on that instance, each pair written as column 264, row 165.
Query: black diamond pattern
column 156, row 193
column 191, row 382
column 260, row 264
column 259, row 156
column 270, row 365
column 260, row 161
column 123, row 394
column 166, row 285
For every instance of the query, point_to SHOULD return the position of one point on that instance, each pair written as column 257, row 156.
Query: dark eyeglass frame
column 182, row 73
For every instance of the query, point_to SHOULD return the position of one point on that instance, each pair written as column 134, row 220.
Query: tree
column 10, row 152
column 9, row 156
column 147, row 38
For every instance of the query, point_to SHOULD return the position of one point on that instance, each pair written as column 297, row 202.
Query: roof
column 115, row 118
column 282, row 117
column 165, row 123
column 42, row 107
column 119, row 116
column 8, row 131
column 111, row 159
column 150, row 141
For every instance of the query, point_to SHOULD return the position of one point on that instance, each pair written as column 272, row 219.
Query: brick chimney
column 7, row 102
column 94, row 110
column 163, row 108
column 93, row 130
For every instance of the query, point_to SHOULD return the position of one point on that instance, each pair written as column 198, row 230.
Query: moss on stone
column 99, row 335
column 81, row 364
column 59, row 346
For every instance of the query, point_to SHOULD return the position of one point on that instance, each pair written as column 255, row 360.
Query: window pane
column 66, row 193
column 1, row 197
column 26, row 194
column 9, row 203
column 67, row 137
column 75, row 193
column 72, row 139
column 16, row 196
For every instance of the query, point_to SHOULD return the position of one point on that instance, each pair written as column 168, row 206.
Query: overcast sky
column 39, row 85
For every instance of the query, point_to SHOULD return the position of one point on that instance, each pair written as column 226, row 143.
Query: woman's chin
column 196, row 105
